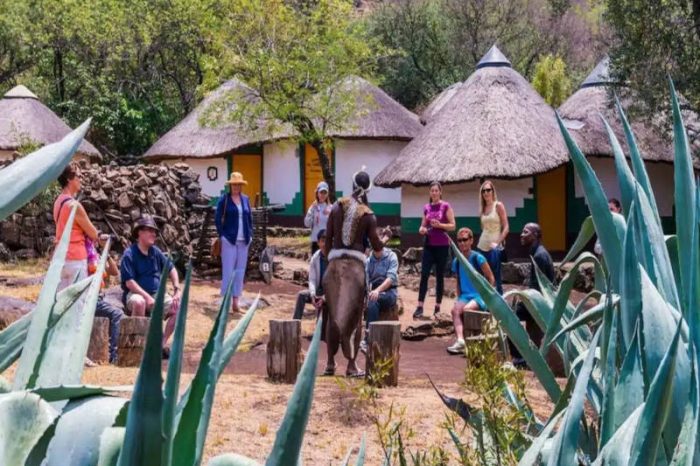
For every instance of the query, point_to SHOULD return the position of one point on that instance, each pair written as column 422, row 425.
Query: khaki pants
column 132, row 299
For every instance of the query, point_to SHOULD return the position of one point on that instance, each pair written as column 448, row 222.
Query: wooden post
column 474, row 322
column 98, row 350
column 284, row 356
column 132, row 340
column 383, row 345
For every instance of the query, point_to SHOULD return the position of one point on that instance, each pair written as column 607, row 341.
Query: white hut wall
column 282, row 182
column 660, row 175
column 351, row 155
column 213, row 172
column 516, row 195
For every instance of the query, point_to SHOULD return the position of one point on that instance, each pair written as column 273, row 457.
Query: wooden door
column 551, row 208
column 312, row 174
column 250, row 165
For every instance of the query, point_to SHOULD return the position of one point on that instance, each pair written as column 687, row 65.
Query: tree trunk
column 323, row 148
column 132, row 341
column 98, row 350
column 383, row 354
column 284, row 356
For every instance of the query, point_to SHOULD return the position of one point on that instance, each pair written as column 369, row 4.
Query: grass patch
column 25, row 268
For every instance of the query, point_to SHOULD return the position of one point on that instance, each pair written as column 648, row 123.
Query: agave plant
column 634, row 355
column 48, row 418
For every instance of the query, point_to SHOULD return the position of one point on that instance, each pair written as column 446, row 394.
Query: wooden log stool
column 383, row 347
column 98, row 349
column 474, row 322
column 284, row 356
column 132, row 340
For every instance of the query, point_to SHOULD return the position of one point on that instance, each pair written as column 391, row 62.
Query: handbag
column 216, row 245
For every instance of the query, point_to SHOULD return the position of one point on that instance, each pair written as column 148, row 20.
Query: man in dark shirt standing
column 531, row 237
column 141, row 269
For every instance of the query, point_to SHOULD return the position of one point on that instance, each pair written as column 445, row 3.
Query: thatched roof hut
column 582, row 115
column 25, row 120
column 195, row 137
column 438, row 103
column 375, row 115
column 495, row 126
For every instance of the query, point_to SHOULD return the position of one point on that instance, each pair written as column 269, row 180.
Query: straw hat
column 236, row 178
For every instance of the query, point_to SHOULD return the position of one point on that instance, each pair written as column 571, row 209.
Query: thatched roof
column 582, row 115
column 438, row 103
column 495, row 126
column 24, row 119
column 194, row 136
column 375, row 114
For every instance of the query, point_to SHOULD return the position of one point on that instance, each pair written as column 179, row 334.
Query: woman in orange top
column 75, row 267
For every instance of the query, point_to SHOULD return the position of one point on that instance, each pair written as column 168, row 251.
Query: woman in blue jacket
column 234, row 223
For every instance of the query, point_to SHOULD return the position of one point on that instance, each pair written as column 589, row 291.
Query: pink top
column 436, row 236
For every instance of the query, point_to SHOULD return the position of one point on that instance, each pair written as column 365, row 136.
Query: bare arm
column 451, row 224
column 486, row 269
column 175, row 280
column 505, row 228
column 83, row 221
column 111, row 267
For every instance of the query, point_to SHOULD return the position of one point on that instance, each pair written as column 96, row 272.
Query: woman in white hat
column 317, row 215
column 234, row 223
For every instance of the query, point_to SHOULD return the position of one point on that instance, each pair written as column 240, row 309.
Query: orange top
column 76, row 247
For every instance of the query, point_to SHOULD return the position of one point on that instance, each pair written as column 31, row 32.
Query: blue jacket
column 229, row 229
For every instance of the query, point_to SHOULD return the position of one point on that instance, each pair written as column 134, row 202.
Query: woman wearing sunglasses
column 494, row 230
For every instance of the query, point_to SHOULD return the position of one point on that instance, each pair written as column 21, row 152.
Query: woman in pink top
column 75, row 267
column 438, row 219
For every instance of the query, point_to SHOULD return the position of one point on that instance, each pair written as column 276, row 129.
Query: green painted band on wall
column 295, row 208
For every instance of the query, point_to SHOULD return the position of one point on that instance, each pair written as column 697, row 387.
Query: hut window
column 212, row 173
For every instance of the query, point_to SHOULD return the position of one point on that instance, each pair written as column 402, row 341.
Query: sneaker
column 166, row 352
column 457, row 348
column 363, row 346
column 418, row 313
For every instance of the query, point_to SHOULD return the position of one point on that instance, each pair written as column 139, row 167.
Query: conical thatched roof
column 438, row 103
column 375, row 114
column 193, row 137
column 582, row 115
column 495, row 126
column 24, row 119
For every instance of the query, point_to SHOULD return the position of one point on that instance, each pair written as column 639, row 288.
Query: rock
column 124, row 201
column 24, row 254
column 5, row 254
column 9, row 232
column 515, row 273
column 142, row 182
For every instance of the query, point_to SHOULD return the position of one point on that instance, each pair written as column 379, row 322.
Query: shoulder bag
column 216, row 245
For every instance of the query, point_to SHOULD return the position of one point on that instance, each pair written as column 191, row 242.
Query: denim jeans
column 493, row 257
column 386, row 300
column 114, row 314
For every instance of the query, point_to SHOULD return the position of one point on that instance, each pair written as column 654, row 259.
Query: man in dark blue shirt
column 141, row 269
column 531, row 237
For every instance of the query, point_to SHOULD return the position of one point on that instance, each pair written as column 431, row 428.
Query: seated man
column 383, row 277
column 317, row 267
column 468, row 298
column 141, row 270
column 103, row 308
column 531, row 237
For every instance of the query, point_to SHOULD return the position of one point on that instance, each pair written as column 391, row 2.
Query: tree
column 653, row 40
column 551, row 80
column 295, row 58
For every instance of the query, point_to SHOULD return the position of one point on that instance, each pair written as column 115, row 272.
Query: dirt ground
column 248, row 408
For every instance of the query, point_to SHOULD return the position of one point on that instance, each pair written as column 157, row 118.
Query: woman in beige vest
column 494, row 229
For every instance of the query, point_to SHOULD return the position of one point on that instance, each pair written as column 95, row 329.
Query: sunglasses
column 487, row 190
column 464, row 240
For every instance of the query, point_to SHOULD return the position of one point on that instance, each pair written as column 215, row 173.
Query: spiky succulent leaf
column 111, row 440
column 23, row 419
column 585, row 235
column 232, row 459
column 25, row 178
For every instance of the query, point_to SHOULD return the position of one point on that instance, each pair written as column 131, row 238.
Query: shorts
column 133, row 298
column 465, row 298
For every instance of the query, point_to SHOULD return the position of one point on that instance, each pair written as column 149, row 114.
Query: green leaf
column 640, row 172
column 585, row 235
column 591, row 315
column 232, row 459
column 630, row 291
column 24, row 417
column 5, row 385
column 111, row 440
column 685, row 196
column 361, row 453
column 77, row 436
column 172, row 381
column 143, row 439
column 673, row 254
column 290, row 434
column 598, row 205
column 629, row 391
column 617, row 451
column 67, row 343
column 534, row 452
column 38, row 329
column 607, row 418
column 192, row 426
column 25, row 178
column 236, row 336
column 566, row 440
column 75, row 392
column 657, row 408
column 511, row 325
column 687, row 440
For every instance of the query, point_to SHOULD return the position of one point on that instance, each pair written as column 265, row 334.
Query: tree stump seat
column 98, row 349
column 383, row 353
column 132, row 341
column 284, row 357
